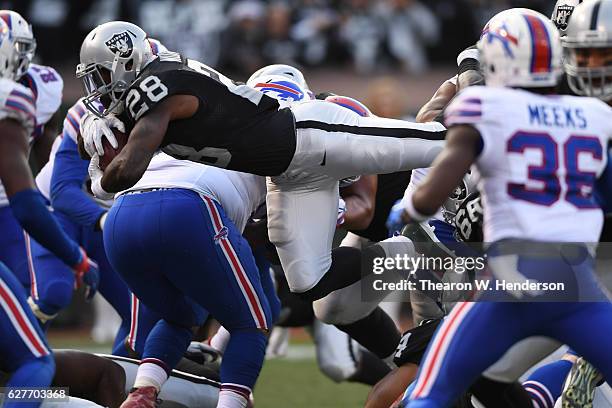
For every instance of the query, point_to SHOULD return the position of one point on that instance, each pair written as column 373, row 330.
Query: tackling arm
column 146, row 137
column 437, row 103
column 461, row 150
column 27, row 203
column 360, row 199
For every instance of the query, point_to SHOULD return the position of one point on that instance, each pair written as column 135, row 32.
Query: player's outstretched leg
column 23, row 349
column 450, row 364
column 544, row 385
column 332, row 140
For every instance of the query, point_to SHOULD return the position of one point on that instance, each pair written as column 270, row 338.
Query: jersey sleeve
column 465, row 109
column 47, row 86
column 72, row 121
column 17, row 103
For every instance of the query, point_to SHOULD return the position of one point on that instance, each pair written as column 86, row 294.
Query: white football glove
column 93, row 129
column 95, row 174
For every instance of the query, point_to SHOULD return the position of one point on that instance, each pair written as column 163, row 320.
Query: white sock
column 150, row 375
column 231, row 399
column 220, row 339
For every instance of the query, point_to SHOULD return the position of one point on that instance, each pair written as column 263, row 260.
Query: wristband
column 468, row 53
column 412, row 212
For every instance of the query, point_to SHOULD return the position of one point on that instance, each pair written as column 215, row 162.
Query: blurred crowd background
column 361, row 48
column 368, row 36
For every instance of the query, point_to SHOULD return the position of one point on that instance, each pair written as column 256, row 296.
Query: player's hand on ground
column 87, row 273
column 95, row 129
column 395, row 222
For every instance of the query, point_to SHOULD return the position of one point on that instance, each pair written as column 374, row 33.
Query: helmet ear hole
column 129, row 65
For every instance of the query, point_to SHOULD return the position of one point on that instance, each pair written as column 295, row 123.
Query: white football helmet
column 284, row 89
column 588, row 41
column 283, row 70
column 520, row 48
column 562, row 12
column 112, row 56
column 17, row 59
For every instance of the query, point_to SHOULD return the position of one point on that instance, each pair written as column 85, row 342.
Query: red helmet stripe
column 541, row 55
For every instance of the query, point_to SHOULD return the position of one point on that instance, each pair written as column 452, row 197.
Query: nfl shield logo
column 121, row 43
column 562, row 16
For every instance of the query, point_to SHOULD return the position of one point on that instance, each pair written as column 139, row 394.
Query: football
column 109, row 151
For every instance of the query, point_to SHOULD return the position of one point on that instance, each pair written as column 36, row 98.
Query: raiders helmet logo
column 121, row 43
column 562, row 16
column 460, row 192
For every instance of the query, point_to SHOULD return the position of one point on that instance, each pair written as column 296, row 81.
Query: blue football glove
column 394, row 220
column 87, row 273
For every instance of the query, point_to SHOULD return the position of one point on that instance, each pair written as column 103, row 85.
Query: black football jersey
column 235, row 127
column 414, row 342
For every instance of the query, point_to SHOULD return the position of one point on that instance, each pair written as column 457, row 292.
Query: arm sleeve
column 67, row 195
column 29, row 208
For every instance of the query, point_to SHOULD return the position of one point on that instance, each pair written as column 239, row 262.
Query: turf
column 300, row 384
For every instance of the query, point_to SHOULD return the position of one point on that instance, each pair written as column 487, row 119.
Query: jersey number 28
column 154, row 89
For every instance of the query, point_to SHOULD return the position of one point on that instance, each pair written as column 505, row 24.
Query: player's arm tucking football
column 360, row 198
column 462, row 148
column 144, row 139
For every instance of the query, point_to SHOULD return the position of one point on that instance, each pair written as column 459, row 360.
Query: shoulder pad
column 47, row 86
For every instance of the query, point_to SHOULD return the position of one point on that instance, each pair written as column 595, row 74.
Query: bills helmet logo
column 121, row 43
column 282, row 90
column 562, row 16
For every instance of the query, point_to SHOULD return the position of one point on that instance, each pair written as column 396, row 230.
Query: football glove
column 395, row 223
column 87, row 273
column 95, row 174
column 94, row 129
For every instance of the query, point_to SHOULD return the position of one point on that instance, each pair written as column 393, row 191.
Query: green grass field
column 299, row 383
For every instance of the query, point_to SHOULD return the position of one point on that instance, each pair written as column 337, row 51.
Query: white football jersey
column 238, row 193
column 539, row 161
column 17, row 103
column 46, row 86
